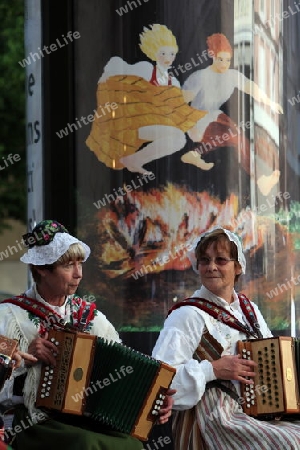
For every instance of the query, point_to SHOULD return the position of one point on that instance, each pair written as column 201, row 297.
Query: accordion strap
column 224, row 316
column 219, row 385
column 51, row 317
column 250, row 315
column 33, row 306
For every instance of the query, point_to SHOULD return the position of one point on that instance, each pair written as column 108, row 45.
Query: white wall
column 13, row 273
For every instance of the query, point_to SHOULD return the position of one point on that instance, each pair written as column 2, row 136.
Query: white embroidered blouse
column 181, row 336
column 17, row 323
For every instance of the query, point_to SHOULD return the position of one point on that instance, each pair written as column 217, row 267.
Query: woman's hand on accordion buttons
column 18, row 356
column 234, row 367
column 43, row 350
column 166, row 410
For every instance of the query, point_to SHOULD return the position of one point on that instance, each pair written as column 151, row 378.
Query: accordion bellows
column 107, row 381
column 276, row 389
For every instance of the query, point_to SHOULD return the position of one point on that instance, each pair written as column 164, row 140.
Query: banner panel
column 182, row 124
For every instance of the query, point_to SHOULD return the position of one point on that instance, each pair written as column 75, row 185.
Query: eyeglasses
column 219, row 261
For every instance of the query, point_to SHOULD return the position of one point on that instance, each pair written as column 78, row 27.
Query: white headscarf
column 231, row 236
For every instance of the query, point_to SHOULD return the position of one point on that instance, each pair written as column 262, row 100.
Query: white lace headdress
column 231, row 236
column 47, row 242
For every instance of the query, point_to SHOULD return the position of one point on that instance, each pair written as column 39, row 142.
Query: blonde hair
column 74, row 253
column 154, row 38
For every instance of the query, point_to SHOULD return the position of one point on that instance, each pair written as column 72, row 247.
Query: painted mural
column 185, row 137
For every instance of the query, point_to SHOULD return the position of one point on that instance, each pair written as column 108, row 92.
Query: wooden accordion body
column 7, row 349
column 107, row 381
column 276, row 389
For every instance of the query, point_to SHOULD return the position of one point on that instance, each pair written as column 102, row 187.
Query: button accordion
column 107, row 381
column 276, row 389
column 7, row 349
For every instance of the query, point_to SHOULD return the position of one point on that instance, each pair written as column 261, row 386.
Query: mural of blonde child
column 149, row 114
column 210, row 88
column 159, row 44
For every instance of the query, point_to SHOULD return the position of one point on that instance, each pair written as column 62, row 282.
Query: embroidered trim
column 33, row 306
column 219, row 313
column 50, row 317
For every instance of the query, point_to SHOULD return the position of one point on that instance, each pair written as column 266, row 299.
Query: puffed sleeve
column 103, row 328
column 6, row 327
column 176, row 345
column 265, row 331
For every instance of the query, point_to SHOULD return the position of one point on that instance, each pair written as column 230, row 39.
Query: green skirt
column 65, row 432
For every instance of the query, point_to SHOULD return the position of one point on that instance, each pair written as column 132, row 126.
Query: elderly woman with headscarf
column 200, row 338
column 55, row 259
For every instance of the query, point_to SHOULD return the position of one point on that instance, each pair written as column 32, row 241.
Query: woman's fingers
column 18, row 356
column 233, row 367
column 43, row 350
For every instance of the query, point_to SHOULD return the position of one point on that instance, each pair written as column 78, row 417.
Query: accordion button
column 248, row 405
column 57, row 343
column 42, row 396
column 46, row 374
column 47, row 394
column 252, row 402
column 44, row 385
column 52, row 340
column 155, row 413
